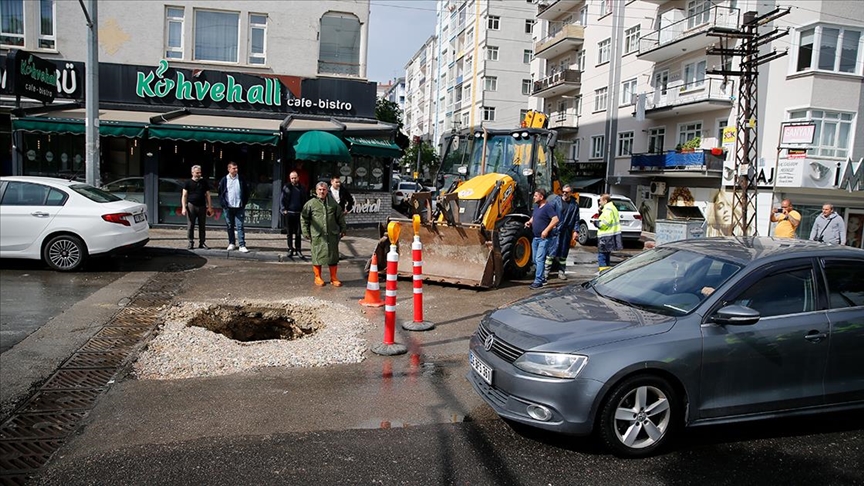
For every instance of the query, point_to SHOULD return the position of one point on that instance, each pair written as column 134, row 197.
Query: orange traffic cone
column 373, row 290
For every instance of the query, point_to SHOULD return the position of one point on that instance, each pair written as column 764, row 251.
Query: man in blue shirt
column 567, row 209
column 543, row 221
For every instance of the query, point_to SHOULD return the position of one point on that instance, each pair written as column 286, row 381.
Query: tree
column 388, row 111
column 428, row 159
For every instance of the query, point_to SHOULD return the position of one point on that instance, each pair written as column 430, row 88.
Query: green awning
column 191, row 133
column 75, row 126
column 318, row 145
column 374, row 147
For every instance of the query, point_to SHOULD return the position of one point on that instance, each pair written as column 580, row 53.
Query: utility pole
column 747, row 151
column 91, row 95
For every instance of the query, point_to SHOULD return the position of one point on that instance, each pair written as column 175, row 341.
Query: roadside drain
column 245, row 324
column 39, row 426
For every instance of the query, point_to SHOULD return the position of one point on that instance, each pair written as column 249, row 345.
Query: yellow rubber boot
column 318, row 280
column 333, row 279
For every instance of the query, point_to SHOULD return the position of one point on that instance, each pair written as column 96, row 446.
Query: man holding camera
column 787, row 220
column 829, row 227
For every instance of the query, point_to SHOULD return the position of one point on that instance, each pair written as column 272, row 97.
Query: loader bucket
column 459, row 255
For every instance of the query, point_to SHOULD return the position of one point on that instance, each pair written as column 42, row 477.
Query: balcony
column 567, row 39
column 680, row 34
column 552, row 9
column 558, row 83
column 564, row 120
column 696, row 97
column 701, row 161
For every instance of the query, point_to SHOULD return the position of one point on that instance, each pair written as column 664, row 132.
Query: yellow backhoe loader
column 476, row 235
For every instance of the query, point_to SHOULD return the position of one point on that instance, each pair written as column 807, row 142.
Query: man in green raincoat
column 323, row 222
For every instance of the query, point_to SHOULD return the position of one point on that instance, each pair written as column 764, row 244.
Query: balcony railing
column 332, row 67
column 700, row 161
column 566, row 118
column 716, row 18
column 711, row 89
column 567, row 76
column 573, row 32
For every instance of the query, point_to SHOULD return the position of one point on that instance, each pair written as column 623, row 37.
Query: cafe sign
column 31, row 76
column 155, row 84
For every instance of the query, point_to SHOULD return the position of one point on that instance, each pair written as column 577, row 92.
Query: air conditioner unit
column 658, row 188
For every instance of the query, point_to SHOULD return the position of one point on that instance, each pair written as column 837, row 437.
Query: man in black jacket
column 341, row 195
column 294, row 196
column 234, row 195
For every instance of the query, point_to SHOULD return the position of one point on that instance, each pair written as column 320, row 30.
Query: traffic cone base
column 372, row 298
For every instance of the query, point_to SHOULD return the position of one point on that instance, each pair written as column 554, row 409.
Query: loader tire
column 515, row 242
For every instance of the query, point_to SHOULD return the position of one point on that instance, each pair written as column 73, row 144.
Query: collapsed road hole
column 247, row 324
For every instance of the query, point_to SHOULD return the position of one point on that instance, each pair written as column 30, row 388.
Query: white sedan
column 64, row 222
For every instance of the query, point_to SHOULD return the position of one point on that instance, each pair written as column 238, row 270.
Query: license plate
column 139, row 217
column 480, row 367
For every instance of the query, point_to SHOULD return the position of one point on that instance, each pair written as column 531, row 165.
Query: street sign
column 797, row 134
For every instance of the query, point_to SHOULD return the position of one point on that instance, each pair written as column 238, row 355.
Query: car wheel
column 584, row 237
column 639, row 417
column 65, row 253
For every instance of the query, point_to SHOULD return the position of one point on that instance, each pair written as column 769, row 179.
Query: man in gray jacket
column 829, row 227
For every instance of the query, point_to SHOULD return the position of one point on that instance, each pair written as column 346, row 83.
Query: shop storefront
column 157, row 122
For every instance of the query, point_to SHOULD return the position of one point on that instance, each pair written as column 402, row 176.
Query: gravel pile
column 183, row 351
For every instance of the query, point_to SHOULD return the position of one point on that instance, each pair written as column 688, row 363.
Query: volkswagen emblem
column 487, row 343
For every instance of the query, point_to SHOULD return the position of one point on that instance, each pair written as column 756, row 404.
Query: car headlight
column 552, row 364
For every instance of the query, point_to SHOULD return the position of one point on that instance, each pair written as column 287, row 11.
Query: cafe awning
column 318, row 145
column 226, row 129
column 374, row 147
column 112, row 123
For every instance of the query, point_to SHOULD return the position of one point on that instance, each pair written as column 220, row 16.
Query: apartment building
column 479, row 70
column 200, row 82
column 629, row 87
column 394, row 92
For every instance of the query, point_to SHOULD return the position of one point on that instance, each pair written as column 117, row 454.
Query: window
column 25, row 194
column 257, row 39
column 656, row 140
column 600, row 99
column 603, row 51
column 845, row 285
column 174, row 32
column 339, row 45
column 574, row 149
column 527, row 54
column 829, row 48
column 698, row 12
column 605, row 7
column 12, row 22
column 631, row 39
column 529, row 26
column 469, row 37
column 47, row 40
column 661, row 81
column 494, row 22
column 583, row 16
column 580, row 61
column 488, row 113
column 694, row 74
column 578, row 104
column 527, row 84
column 597, row 144
column 490, row 83
column 625, row 144
column 689, row 131
column 789, row 292
column 466, row 119
column 491, row 53
column 721, row 124
column 832, row 135
column 628, row 92
column 216, row 36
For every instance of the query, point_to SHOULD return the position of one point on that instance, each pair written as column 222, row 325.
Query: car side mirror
column 736, row 315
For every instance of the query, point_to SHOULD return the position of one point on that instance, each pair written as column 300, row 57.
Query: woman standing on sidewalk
column 323, row 223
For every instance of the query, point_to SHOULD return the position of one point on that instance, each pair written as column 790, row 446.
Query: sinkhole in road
column 256, row 323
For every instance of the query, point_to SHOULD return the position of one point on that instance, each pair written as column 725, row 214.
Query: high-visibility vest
column 610, row 222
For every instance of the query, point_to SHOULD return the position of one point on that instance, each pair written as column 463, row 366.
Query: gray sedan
column 691, row 333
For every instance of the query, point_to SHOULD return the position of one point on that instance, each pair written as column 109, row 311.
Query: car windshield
column 664, row 280
column 94, row 194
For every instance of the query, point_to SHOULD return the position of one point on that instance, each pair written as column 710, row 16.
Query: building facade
column 636, row 91
column 202, row 83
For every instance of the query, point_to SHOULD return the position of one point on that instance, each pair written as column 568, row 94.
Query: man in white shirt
column 234, row 194
column 341, row 195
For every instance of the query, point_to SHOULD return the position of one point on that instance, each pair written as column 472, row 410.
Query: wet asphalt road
column 284, row 426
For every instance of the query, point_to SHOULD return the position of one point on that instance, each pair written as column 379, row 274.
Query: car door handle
column 815, row 336
column 40, row 214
